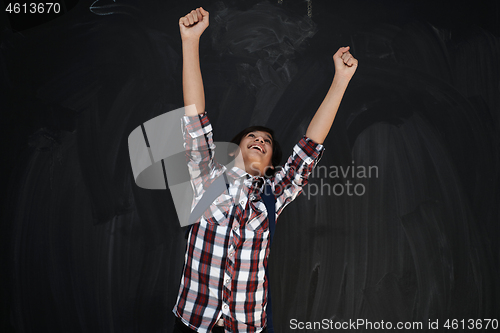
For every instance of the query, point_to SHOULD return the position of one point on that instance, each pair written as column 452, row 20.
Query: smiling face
column 257, row 151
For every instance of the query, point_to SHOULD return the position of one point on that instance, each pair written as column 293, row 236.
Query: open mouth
column 257, row 147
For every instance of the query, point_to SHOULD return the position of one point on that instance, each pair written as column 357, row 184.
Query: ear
column 234, row 152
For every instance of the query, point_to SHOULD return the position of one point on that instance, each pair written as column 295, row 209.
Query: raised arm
column 191, row 27
column 345, row 66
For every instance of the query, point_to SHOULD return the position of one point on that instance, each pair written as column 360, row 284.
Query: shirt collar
column 236, row 172
column 248, row 179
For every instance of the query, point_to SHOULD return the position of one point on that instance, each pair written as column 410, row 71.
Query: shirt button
column 235, row 228
column 242, row 202
column 227, row 280
column 230, row 254
column 225, row 306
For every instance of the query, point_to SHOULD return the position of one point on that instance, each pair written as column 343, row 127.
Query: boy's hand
column 345, row 63
column 193, row 24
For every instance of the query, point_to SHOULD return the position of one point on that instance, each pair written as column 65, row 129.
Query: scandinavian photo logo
column 347, row 180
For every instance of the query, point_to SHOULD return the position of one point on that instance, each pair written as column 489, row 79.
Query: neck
column 253, row 169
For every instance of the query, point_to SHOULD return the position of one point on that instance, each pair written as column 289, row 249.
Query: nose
column 259, row 138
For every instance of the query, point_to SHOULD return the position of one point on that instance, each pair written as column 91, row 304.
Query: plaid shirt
column 227, row 251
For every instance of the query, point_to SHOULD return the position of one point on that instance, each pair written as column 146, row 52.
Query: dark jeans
column 180, row 327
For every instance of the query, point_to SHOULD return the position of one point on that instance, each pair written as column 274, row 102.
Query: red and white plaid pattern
column 227, row 251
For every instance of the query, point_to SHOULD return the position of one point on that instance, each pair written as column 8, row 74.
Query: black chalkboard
column 415, row 143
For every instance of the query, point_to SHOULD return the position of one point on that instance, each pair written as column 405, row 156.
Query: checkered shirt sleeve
column 290, row 180
column 199, row 147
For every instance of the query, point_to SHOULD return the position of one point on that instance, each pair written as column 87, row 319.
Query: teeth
column 255, row 146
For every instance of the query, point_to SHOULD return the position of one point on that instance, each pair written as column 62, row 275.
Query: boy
column 223, row 285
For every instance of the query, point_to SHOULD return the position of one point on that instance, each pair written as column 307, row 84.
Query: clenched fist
column 345, row 63
column 193, row 24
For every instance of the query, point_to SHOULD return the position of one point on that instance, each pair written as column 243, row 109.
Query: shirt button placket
column 225, row 309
